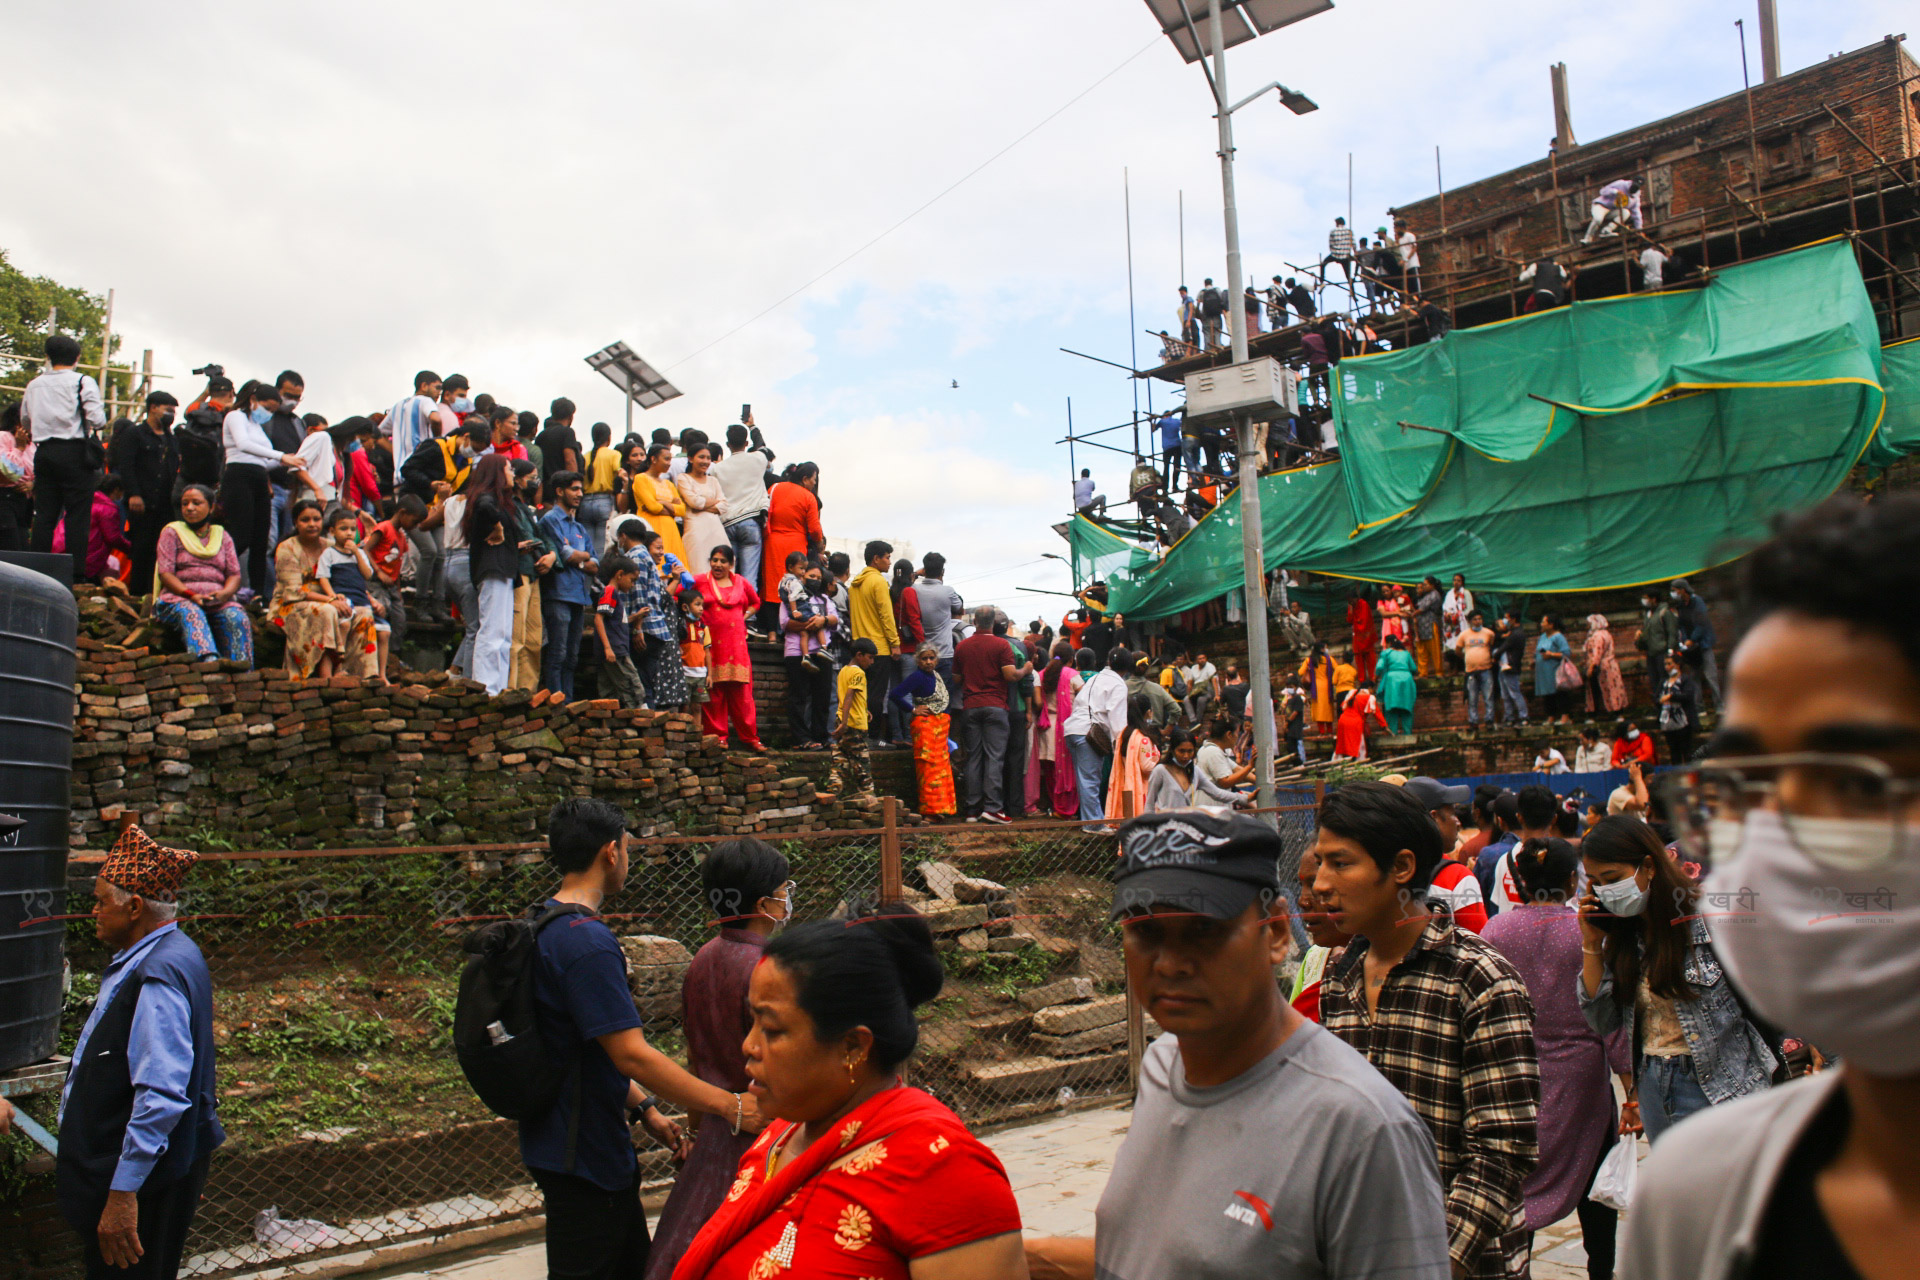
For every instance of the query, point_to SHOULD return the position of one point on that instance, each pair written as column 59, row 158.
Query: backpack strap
column 538, row 923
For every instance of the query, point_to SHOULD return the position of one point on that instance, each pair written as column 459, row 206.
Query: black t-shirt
column 1235, row 696
column 1550, row 278
column 1795, row 1239
column 1301, row 301
column 553, row 442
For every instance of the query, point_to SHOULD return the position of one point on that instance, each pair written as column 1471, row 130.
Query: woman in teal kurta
column 1396, row 688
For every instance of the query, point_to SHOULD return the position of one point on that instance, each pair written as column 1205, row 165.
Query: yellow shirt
column 853, row 696
column 603, row 473
column 870, row 601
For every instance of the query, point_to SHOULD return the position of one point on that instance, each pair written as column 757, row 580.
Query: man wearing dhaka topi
column 137, row 1123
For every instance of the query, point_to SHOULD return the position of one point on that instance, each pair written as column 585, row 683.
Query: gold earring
column 852, row 1078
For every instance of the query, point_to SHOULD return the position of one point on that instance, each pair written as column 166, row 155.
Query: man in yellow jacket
column 870, row 604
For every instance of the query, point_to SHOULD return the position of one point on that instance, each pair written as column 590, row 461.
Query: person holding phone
column 1648, row 964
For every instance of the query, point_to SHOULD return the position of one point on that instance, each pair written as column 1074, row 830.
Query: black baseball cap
column 1432, row 794
column 1196, row 861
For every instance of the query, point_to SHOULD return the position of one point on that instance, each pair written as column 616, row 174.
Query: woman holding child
column 325, row 633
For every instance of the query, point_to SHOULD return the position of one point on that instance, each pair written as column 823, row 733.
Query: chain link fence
column 350, row 1125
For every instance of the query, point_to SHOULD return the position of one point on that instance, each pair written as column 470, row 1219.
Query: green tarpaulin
column 1599, row 445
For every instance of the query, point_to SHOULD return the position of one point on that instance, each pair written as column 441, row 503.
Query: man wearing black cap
column 143, row 456
column 1439, row 1012
column 1455, row 890
column 1263, row 1146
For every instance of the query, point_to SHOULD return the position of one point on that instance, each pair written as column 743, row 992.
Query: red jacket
column 1454, row 884
column 1640, row 749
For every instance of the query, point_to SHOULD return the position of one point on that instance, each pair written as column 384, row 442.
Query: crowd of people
column 1500, row 994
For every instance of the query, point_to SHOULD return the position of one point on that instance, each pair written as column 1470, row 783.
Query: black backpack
column 495, row 1034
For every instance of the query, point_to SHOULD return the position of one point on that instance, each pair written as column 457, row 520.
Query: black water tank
column 38, row 622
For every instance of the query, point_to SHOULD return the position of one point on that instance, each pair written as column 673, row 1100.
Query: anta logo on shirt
column 1250, row 1209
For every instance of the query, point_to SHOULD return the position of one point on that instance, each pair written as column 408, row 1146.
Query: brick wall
column 264, row 760
column 1686, row 160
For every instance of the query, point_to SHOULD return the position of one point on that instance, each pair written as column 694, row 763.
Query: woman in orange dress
column 326, row 635
column 1133, row 759
column 858, row 1175
column 1317, row 671
column 657, row 500
column 793, row 524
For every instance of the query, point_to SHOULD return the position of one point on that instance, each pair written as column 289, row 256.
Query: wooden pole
column 892, row 887
column 146, row 373
column 106, row 348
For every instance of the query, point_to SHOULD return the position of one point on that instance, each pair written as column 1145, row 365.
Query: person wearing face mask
column 246, row 496
column 749, row 895
column 1804, row 814
column 1648, row 964
column 143, row 456
column 1630, row 746
column 286, row 429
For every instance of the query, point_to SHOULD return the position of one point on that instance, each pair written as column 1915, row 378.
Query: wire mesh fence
column 350, row 1125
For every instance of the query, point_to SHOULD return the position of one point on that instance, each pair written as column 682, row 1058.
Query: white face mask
column 1632, row 734
column 1622, row 897
column 1827, row 946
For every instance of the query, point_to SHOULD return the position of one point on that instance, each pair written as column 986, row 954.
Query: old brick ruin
column 258, row 759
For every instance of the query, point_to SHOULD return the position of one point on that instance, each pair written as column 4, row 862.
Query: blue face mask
column 262, row 416
column 463, row 405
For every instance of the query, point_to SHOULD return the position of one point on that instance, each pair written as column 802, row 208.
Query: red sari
column 1366, row 639
column 1350, row 736
column 901, row 1180
column 729, row 666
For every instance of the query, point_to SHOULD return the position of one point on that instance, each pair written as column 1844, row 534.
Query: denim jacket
column 1730, row 1057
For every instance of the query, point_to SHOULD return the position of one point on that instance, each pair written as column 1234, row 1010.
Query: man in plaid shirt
column 1438, row 1012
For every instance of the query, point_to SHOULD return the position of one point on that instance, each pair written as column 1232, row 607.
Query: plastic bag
column 1613, row 1184
column 294, row 1234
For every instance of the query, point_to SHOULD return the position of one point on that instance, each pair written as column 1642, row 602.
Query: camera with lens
column 210, row 371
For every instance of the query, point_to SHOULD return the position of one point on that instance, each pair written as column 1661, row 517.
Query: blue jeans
column 1086, row 777
column 465, row 593
column 745, row 537
column 562, row 651
column 1669, row 1093
column 1512, row 701
column 595, row 510
column 282, row 517
column 1480, row 696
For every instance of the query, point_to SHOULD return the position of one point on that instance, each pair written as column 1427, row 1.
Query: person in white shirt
column 246, row 499
column 1549, row 760
column 317, row 460
column 1409, row 254
column 59, row 407
column 1102, row 700
column 1618, row 202
column 411, row 421
column 1592, row 755
column 1202, row 687
column 1653, row 267
column 743, row 485
column 1085, row 500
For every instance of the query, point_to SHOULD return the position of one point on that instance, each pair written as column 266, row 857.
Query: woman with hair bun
column 1541, row 936
column 858, row 1174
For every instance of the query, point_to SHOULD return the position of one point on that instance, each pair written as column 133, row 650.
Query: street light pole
column 1252, row 549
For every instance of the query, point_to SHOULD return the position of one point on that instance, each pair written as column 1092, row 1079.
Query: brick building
column 1826, row 150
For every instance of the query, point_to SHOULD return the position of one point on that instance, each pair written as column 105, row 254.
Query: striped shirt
column 410, row 422
column 1454, row 1033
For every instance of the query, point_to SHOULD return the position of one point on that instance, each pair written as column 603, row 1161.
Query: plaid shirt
column 650, row 591
column 1454, row 1033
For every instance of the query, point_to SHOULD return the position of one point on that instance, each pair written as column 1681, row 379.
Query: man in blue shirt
column 581, row 1153
column 137, row 1122
column 1170, row 445
column 566, row 593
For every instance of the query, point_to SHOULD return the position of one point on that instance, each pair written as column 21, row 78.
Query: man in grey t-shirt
column 1261, row 1146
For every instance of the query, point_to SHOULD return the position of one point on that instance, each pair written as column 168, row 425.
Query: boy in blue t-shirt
column 586, row 1169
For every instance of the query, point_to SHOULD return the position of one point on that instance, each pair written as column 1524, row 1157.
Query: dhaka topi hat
column 140, row 864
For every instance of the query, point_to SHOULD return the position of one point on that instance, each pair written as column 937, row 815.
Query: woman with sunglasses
column 1648, row 964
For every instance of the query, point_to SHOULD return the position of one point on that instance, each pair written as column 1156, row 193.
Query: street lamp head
column 1297, row 102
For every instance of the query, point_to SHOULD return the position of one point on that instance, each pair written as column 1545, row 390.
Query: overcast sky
column 360, row 190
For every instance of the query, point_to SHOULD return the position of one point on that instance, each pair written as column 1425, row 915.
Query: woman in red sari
column 857, row 1175
column 1366, row 636
column 730, row 599
column 1350, row 736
